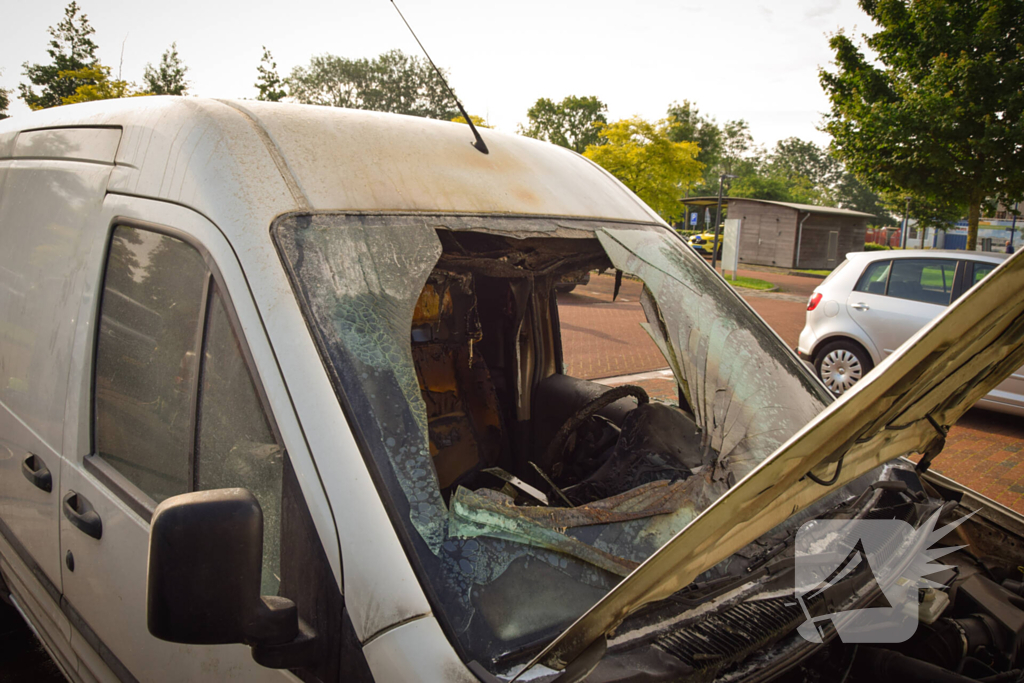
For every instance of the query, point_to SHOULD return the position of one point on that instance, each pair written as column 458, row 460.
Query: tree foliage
column 71, row 50
column 802, row 172
column 478, row 121
column 168, row 77
column 97, row 85
column 641, row 155
column 929, row 212
column 270, row 85
column 5, row 101
column 940, row 111
column 775, row 187
column 723, row 149
column 392, row 82
column 573, row 123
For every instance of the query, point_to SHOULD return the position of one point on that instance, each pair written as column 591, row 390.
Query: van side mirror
column 203, row 583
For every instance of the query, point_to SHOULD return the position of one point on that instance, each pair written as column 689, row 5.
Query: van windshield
column 528, row 493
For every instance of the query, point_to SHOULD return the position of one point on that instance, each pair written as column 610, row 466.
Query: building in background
column 791, row 235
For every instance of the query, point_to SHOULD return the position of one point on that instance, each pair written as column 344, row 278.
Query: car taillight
column 814, row 301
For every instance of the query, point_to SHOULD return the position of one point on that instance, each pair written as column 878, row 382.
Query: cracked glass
column 507, row 576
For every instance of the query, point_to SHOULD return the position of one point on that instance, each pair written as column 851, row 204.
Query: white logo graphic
column 837, row 557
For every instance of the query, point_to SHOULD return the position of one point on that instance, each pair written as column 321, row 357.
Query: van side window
column 874, row 278
column 145, row 359
column 235, row 446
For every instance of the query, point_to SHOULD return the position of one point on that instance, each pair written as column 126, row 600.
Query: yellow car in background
column 703, row 241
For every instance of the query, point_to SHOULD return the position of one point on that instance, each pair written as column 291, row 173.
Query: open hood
column 903, row 408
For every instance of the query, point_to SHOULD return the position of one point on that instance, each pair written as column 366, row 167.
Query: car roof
column 927, row 253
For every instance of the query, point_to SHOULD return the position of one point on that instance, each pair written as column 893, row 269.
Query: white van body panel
column 367, row 161
column 416, row 651
column 110, row 582
column 48, row 202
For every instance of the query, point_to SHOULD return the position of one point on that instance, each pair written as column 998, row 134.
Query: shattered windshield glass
column 438, row 334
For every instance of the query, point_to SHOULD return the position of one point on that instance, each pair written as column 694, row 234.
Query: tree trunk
column 973, row 213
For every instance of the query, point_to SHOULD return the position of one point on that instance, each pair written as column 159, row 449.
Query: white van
column 282, row 398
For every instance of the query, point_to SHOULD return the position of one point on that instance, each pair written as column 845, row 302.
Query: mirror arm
column 299, row 652
column 278, row 638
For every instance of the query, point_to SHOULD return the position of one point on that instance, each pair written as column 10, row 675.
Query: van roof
column 263, row 159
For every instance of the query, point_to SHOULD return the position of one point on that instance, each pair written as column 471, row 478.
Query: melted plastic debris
column 491, row 513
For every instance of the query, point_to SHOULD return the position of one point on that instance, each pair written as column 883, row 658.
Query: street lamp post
column 1013, row 228
column 718, row 219
column 906, row 224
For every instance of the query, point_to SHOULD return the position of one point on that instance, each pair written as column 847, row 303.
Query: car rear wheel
column 841, row 364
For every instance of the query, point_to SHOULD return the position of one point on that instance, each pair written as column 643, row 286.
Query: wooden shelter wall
column 768, row 233
column 814, row 241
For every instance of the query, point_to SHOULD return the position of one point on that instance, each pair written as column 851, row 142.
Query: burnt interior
column 487, row 350
column 486, row 347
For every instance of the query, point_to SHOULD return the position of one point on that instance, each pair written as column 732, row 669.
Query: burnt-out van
column 282, row 397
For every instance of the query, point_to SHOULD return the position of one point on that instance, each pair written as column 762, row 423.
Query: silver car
column 876, row 300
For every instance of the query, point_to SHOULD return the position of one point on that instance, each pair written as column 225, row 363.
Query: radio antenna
column 479, row 144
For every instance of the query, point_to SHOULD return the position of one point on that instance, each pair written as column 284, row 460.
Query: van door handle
column 82, row 515
column 860, row 306
column 35, row 471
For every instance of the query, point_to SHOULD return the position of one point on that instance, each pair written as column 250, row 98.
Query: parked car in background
column 568, row 282
column 874, row 301
column 702, row 243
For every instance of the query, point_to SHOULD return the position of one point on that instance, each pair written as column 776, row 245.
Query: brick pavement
column 600, row 339
column 604, row 339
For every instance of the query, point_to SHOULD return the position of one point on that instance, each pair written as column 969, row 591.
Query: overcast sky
column 735, row 59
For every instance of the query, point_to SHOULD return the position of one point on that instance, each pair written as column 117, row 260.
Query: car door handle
column 82, row 515
column 35, row 471
column 860, row 306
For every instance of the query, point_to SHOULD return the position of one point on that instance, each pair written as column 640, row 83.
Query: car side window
column 145, row 359
column 235, row 445
column 979, row 271
column 929, row 281
column 874, row 278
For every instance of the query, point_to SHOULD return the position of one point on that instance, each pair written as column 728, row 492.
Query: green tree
column 641, row 155
column 97, row 85
column 687, row 125
column 392, row 82
column 572, row 123
column 723, row 149
column 478, row 121
column 795, row 158
column 775, row 186
column 270, row 85
column 168, row 77
column 937, row 110
column 930, row 212
column 851, row 193
column 5, row 101
column 71, row 50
